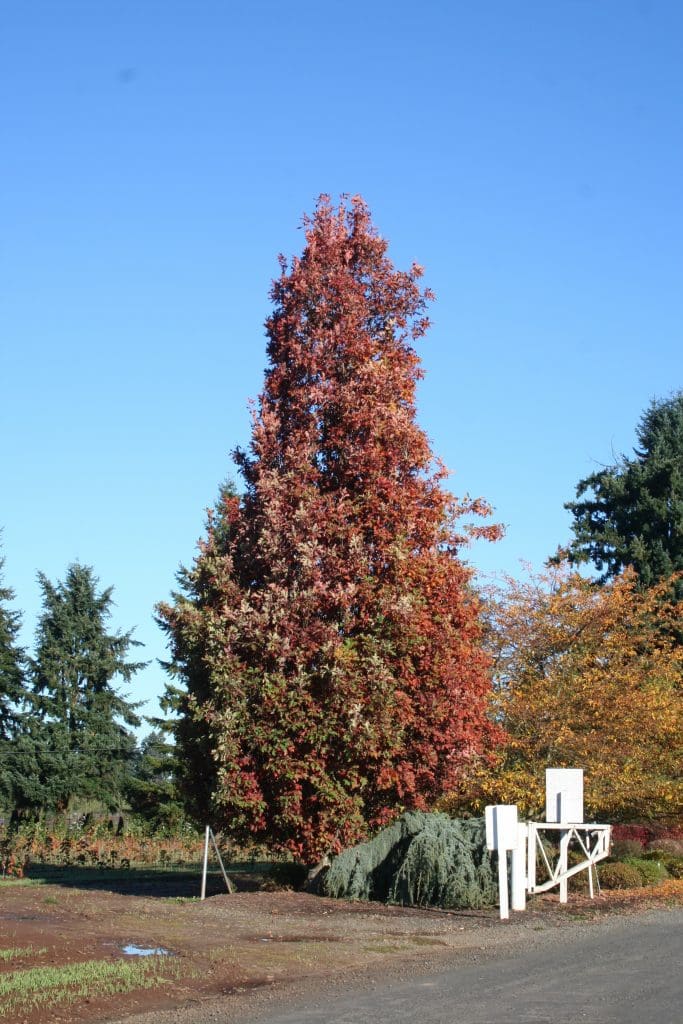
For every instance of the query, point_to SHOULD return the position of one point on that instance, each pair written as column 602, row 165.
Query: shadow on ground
column 164, row 883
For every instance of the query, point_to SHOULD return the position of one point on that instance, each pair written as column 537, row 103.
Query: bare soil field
column 231, row 950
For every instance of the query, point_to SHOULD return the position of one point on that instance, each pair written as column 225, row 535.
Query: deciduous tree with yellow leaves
column 587, row 676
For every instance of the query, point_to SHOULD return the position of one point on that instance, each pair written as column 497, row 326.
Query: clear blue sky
column 158, row 154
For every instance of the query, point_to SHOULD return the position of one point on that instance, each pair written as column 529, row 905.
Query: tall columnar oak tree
column 327, row 633
column 631, row 513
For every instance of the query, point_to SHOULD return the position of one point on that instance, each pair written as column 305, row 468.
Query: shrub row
column 646, row 835
column 634, row 872
column 20, row 849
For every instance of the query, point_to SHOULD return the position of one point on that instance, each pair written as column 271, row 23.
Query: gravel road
column 626, row 970
column 621, row 968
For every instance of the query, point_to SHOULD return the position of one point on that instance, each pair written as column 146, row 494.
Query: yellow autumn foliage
column 586, row 676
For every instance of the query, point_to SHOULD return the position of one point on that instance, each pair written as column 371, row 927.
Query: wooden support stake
column 228, row 883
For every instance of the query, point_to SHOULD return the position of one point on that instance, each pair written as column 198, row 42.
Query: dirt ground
column 237, row 950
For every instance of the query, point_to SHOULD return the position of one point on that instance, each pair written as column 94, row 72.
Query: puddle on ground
column 132, row 950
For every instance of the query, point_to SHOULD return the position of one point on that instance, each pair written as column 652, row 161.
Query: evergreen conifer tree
column 84, row 743
column 327, row 633
column 152, row 790
column 631, row 513
column 12, row 695
column 12, row 664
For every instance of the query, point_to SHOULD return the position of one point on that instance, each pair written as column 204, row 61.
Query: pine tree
column 152, row 790
column 12, row 664
column 12, row 695
column 633, row 512
column 327, row 632
column 84, row 743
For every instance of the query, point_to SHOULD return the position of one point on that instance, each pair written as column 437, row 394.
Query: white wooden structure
column 564, row 815
column 502, row 834
column 593, row 840
column 564, row 794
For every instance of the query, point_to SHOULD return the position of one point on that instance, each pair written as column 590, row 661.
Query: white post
column 519, row 880
column 502, row 835
column 531, row 857
column 503, row 884
column 206, row 863
column 563, row 864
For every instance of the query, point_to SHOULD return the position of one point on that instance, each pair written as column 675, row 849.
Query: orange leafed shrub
column 11, row 866
column 586, row 676
column 91, row 850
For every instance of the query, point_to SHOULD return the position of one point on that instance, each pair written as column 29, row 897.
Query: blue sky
column 158, row 154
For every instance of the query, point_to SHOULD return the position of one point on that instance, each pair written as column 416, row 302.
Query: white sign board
column 564, row 795
column 501, row 826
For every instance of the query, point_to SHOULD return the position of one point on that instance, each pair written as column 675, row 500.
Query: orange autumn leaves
column 328, row 634
column 585, row 676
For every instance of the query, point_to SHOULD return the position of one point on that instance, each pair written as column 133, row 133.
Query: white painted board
column 564, row 795
column 501, row 826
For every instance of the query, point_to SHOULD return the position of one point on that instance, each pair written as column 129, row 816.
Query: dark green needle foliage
column 152, row 791
column 421, row 860
column 12, row 695
column 195, row 769
column 631, row 513
column 12, row 664
column 84, row 744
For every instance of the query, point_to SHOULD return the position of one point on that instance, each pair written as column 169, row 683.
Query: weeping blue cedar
column 419, row 860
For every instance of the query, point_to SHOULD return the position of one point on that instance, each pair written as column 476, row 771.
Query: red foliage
column 11, row 866
column 329, row 636
column 645, row 834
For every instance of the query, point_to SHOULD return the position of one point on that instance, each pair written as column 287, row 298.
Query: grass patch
column 20, row 881
column 20, row 951
column 28, row 989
